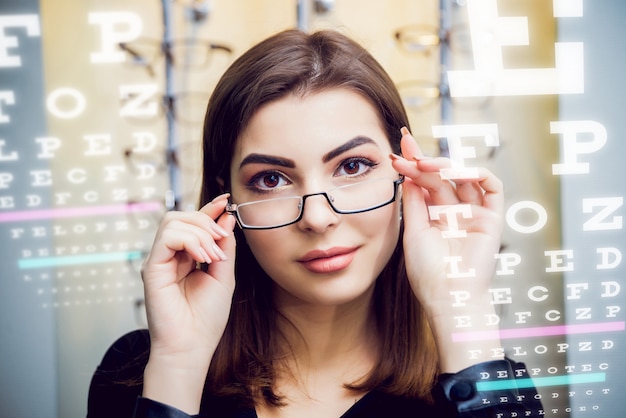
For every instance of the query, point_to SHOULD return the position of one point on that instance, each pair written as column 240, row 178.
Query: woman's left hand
column 452, row 231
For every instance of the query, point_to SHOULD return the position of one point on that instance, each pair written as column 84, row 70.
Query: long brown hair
column 293, row 62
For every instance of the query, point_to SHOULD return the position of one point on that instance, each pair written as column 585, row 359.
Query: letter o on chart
column 66, row 103
column 540, row 213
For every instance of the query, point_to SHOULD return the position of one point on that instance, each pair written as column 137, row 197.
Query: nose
column 317, row 214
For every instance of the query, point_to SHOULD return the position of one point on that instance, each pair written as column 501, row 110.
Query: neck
column 321, row 337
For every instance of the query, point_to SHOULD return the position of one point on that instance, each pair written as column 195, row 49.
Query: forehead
column 310, row 125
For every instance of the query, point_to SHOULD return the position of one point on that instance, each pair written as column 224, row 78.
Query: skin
column 188, row 309
column 303, row 131
column 331, row 310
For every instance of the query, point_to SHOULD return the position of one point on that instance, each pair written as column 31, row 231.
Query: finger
column 426, row 170
column 205, row 240
column 439, row 190
column 493, row 196
column 184, row 238
column 480, row 184
column 197, row 219
column 469, row 192
column 197, row 228
column 228, row 244
column 408, row 145
column 483, row 189
column 414, row 207
column 216, row 207
column 224, row 271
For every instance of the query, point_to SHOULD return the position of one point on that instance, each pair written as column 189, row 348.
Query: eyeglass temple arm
column 138, row 57
column 221, row 47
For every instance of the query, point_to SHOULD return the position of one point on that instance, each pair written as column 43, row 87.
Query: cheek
column 380, row 228
column 390, row 231
column 383, row 223
column 266, row 246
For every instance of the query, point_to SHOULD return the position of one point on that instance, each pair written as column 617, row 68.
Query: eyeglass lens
column 357, row 197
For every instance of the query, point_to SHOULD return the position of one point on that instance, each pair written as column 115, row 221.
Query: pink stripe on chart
column 538, row 331
column 31, row 215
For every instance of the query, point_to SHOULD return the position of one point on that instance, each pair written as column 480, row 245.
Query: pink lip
column 328, row 261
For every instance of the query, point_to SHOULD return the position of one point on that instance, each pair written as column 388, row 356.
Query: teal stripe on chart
column 77, row 259
column 541, row 381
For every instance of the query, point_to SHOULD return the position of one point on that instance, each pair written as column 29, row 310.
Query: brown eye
column 268, row 181
column 352, row 167
column 355, row 167
column 271, row 180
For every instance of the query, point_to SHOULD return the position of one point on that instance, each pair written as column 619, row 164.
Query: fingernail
column 395, row 157
column 405, row 131
column 204, row 254
column 221, row 197
column 219, row 252
column 421, row 158
column 221, row 231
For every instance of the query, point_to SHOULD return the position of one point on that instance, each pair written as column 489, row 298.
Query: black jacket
column 115, row 391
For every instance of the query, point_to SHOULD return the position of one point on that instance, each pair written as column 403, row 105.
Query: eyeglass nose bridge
column 328, row 197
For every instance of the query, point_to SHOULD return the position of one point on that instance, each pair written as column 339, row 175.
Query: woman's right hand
column 187, row 308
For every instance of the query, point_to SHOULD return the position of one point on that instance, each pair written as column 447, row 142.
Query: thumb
column 215, row 207
column 414, row 208
column 228, row 244
column 224, row 271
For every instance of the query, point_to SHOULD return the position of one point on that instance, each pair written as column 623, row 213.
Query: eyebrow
column 353, row 143
column 267, row 159
column 255, row 158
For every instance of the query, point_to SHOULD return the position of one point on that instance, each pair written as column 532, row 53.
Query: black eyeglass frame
column 233, row 208
column 162, row 48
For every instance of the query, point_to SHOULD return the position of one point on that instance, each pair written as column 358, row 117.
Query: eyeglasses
column 424, row 39
column 187, row 107
column 282, row 211
column 187, row 53
column 418, row 95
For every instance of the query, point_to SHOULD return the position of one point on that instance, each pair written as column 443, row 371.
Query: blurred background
column 101, row 107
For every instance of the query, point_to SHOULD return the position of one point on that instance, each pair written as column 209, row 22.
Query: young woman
column 314, row 281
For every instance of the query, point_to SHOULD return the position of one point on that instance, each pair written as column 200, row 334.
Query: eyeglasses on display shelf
column 418, row 95
column 185, row 53
column 426, row 39
column 187, row 108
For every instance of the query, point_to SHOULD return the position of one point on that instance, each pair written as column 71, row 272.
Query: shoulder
column 117, row 381
column 378, row 403
column 129, row 348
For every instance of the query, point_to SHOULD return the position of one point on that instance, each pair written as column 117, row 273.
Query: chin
column 329, row 291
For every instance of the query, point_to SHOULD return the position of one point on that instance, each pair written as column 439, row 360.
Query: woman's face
column 302, row 145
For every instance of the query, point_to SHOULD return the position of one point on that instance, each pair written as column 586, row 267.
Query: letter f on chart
column 491, row 32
